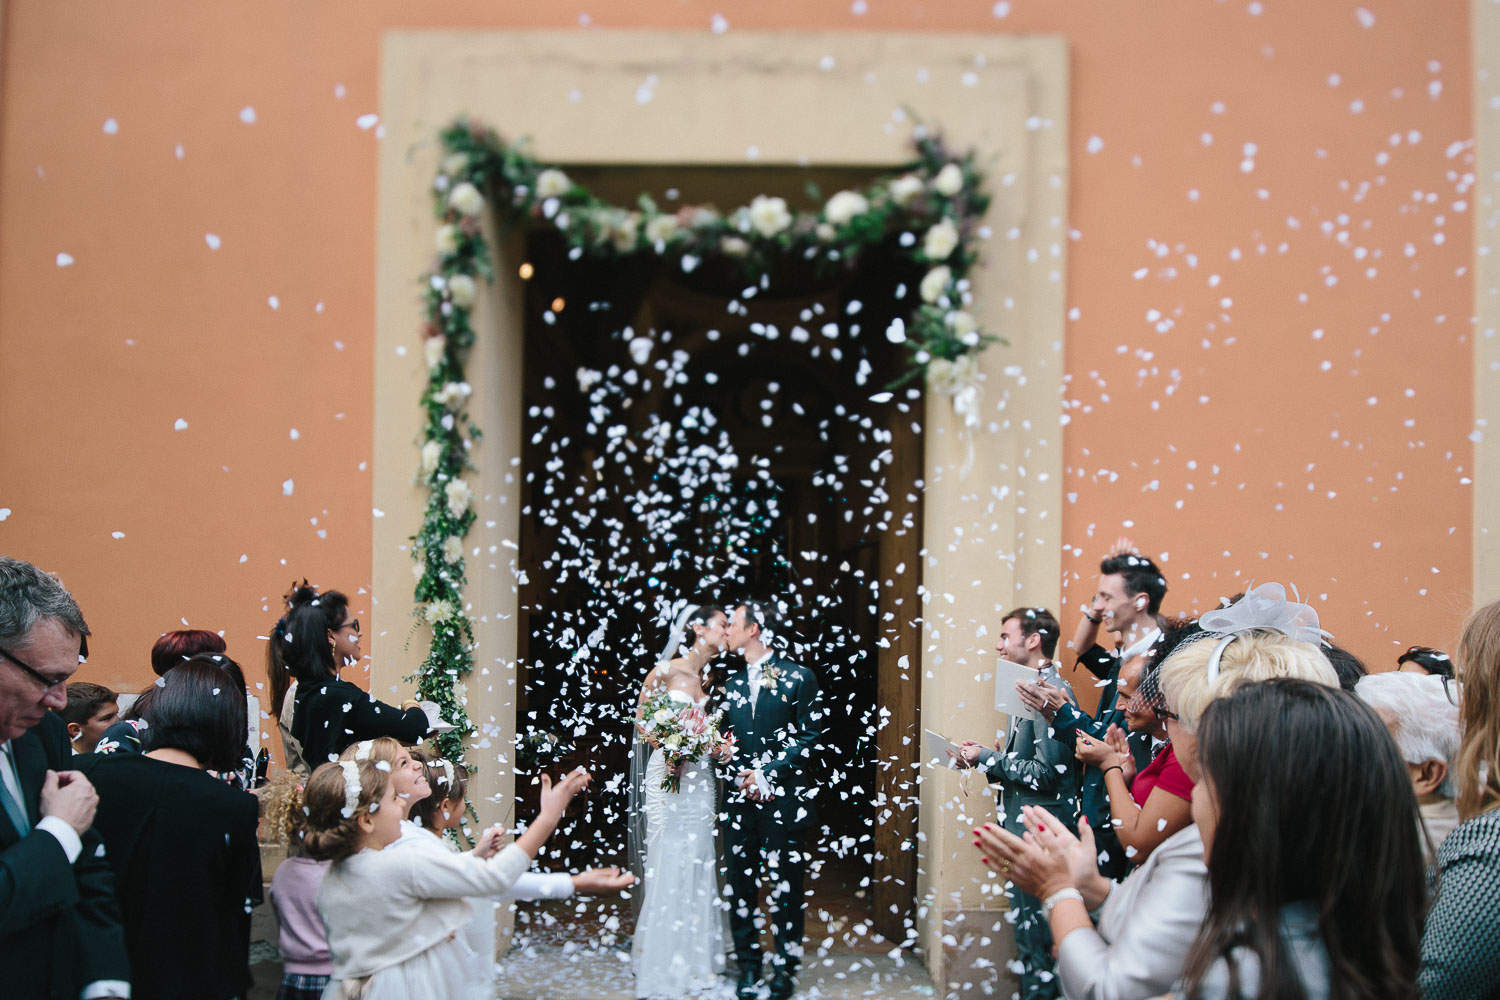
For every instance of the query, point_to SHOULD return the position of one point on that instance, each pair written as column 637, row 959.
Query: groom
column 772, row 709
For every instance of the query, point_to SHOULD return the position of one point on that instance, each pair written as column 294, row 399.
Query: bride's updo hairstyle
column 330, row 828
column 698, row 617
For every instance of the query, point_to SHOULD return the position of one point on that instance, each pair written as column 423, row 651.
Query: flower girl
column 393, row 916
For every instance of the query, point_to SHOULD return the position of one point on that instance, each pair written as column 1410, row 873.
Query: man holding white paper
column 1032, row 768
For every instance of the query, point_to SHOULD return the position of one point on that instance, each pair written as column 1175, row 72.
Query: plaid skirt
column 296, row 986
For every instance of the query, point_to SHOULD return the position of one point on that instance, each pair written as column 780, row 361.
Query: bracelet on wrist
column 1058, row 897
column 1115, row 767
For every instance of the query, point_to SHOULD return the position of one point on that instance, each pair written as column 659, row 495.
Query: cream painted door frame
column 993, row 503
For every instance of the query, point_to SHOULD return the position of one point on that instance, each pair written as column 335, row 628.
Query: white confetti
column 286, row 488
column 247, row 115
column 64, row 259
column 111, row 127
column 212, row 239
column 180, row 424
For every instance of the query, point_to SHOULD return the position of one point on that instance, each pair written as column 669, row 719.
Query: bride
column 679, row 943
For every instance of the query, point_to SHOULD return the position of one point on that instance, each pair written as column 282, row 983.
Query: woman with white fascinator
column 1147, row 924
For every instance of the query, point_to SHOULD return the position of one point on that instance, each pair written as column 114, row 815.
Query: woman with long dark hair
column 330, row 713
column 343, row 635
column 1309, row 824
column 1459, row 956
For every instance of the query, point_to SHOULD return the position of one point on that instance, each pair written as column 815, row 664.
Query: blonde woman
column 1459, row 957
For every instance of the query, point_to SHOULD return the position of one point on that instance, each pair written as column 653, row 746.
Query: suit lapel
column 31, row 772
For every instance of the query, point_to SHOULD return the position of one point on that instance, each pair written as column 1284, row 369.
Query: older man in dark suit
column 60, row 934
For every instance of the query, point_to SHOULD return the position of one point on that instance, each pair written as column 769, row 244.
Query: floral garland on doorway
column 934, row 204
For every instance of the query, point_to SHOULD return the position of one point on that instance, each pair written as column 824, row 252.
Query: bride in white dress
column 681, row 932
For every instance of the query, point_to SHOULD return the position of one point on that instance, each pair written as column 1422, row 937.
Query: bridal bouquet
column 684, row 733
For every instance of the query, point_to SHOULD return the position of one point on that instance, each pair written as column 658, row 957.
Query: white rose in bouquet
column 941, row 240
column 466, row 199
column 845, row 206
column 768, row 215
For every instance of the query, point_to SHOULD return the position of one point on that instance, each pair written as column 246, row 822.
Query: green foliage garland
column 933, row 206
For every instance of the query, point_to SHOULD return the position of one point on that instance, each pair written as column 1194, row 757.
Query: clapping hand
column 1124, row 546
column 1080, row 852
column 1039, row 696
column 1096, row 752
column 1024, row 861
column 968, row 754
column 1120, row 744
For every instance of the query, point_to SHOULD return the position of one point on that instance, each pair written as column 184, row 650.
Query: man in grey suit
column 1033, row 769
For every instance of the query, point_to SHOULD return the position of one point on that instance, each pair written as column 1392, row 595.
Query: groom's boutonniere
column 769, row 677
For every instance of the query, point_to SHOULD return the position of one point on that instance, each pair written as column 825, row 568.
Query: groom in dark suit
column 772, row 709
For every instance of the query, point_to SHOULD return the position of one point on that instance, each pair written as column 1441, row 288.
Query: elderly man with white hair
column 1422, row 715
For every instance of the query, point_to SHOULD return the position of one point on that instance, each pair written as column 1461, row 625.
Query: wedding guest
column 1350, row 668
column 1148, row 922
column 282, row 686
column 1424, row 721
column 306, row 964
column 172, row 648
column 1312, row 902
column 1459, row 957
column 393, row 916
column 330, row 713
column 1425, row 660
column 182, row 843
column 91, row 709
column 60, row 933
column 1030, row 768
column 1145, row 808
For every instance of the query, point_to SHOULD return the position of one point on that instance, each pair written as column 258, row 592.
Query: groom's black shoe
column 782, row 985
column 749, row 987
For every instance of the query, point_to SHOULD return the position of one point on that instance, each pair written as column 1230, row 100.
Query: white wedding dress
column 679, row 943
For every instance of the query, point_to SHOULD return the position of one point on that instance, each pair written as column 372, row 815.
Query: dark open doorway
column 688, row 436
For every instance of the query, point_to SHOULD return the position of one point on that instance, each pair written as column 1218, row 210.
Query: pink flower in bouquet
column 694, row 722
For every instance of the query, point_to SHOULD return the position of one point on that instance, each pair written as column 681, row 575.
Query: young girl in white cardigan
column 393, row 917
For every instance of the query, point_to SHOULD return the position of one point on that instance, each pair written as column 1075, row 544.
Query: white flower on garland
column 844, row 206
column 624, row 231
column 552, row 183
column 434, row 351
column 453, row 548
column 949, row 181
column 462, row 290
column 661, row 228
column 769, row 215
column 733, row 246
column 458, row 493
column 456, row 165
column 959, row 381
column 438, row 612
column 826, row 232
column 941, row 240
column 466, row 199
column 935, row 283
column 453, row 395
column 432, row 454
column 963, row 326
column 446, row 239
column 906, row 189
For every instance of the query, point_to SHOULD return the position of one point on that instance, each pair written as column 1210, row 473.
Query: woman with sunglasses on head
column 1459, row 954
column 328, row 712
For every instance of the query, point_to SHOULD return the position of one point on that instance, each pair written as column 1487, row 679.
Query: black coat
column 779, row 737
column 187, row 872
column 330, row 715
column 59, row 923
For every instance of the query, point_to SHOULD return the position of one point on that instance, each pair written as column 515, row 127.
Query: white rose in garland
column 453, row 548
column 844, row 206
column 941, row 240
column 624, row 231
column 466, row 199
column 438, row 612
column 434, row 351
column 949, row 181
column 456, row 165
column 906, row 189
column 453, row 395
column 458, row 494
column 552, row 183
column 769, row 216
column 432, row 454
column 462, row 290
column 446, row 239
column 662, row 228
column 935, row 283
column 964, row 327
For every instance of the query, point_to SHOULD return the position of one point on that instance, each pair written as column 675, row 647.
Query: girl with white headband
column 394, row 917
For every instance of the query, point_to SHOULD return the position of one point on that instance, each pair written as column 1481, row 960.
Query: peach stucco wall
column 1269, row 269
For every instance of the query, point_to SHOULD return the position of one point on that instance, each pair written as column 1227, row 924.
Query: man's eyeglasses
column 47, row 683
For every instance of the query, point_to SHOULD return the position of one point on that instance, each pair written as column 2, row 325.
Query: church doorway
column 689, row 437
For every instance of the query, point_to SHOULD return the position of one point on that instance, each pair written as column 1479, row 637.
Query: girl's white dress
column 396, row 922
column 678, row 947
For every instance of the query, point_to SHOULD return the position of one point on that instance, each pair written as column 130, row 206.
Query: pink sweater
column 294, row 894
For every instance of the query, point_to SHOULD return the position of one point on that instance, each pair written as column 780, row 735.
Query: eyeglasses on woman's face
column 352, row 625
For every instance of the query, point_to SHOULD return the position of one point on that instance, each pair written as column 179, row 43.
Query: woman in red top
column 1147, row 808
